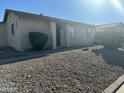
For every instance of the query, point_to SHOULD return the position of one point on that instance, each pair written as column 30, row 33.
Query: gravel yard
column 66, row 72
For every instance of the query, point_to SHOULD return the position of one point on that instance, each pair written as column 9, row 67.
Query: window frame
column 12, row 28
column 72, row 30
column 88, row 32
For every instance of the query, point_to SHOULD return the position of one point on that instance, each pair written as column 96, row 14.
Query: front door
column 58, row 35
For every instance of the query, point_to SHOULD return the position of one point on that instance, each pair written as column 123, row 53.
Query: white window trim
column 88, row 32
column 72, row 30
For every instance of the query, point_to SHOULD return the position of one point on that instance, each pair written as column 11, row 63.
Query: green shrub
column 38, row 40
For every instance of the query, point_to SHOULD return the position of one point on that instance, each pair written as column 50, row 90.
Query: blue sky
column 87, row 11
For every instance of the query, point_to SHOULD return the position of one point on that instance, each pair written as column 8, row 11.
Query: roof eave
column 5, row 15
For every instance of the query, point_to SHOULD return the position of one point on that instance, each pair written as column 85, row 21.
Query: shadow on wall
column 112, row 56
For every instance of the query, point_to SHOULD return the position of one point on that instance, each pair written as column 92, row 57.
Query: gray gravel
column 69, row 72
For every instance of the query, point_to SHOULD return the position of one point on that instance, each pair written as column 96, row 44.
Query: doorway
column 58, row 35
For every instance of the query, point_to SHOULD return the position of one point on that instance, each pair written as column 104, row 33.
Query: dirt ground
column 66, row 72
column 112, row 56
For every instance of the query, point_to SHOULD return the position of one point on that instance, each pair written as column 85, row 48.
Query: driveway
column 112, row 56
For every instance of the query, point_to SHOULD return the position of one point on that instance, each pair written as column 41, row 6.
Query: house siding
column 3, row 35
column 81, row 35
column 12, row 38
column 27, row 25
column 103, row 31
column 24, row 23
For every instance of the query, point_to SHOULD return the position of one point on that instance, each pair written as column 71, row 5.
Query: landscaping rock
column 69, row 72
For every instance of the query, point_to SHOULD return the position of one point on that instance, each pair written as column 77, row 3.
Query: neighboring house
column 110, row 27
column 109, row 33
column 15, row 28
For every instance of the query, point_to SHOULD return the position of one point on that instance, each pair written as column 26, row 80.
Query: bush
column 38, row 40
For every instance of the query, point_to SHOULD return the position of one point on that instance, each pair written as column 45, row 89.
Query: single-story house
column 16, row 25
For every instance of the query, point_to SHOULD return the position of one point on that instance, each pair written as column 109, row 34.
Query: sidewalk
column 116, row 87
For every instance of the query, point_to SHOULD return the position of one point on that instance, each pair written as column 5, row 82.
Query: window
column 12, row 29
column 72, row 30
column 88, row 32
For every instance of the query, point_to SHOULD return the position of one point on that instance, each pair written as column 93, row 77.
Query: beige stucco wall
column 12, row 39
column 3, row 35
column 81, row 36
column 102, row 34
column 27, row 25
column 105, row 34
column 121, row 29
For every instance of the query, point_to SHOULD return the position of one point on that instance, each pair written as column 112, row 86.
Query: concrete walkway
column 34, row 54
column 112, row 56
column 116, row 87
